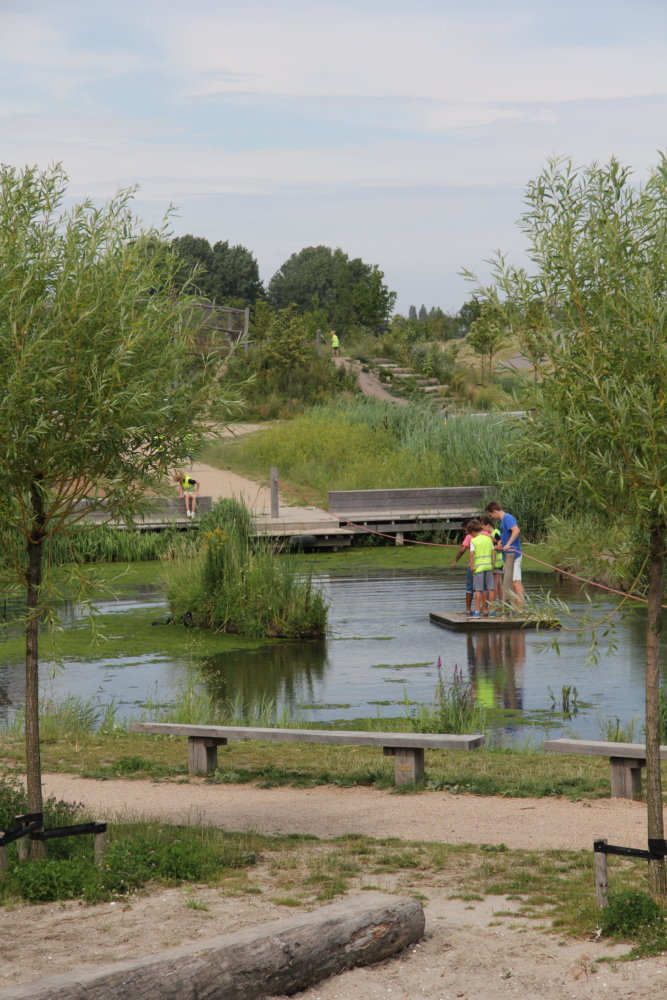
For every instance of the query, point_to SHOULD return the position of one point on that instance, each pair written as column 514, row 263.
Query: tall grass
column 367, row 444
column 453, row 709
column 238, row 584
column 70, row 718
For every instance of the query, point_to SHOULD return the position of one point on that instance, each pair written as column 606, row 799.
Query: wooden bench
column 626, row 761
column 407, row 749
column 456, row 501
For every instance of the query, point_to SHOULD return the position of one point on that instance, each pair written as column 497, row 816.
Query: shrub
column 49, row 880
column 628, row 914
column 239, row 585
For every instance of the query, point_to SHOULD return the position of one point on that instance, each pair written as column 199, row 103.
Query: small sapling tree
column 487, row 334
column 598, row 246
column 99, row 388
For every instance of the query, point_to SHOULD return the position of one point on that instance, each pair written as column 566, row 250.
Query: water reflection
column 495, row 667
column 288, row 674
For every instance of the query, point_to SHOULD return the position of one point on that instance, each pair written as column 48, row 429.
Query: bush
column 51, row 879
column 239, row 585
column 628, row 914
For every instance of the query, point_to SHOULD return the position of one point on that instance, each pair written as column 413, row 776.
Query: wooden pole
column 100, row 846
column 601, row 877
column 275, row 509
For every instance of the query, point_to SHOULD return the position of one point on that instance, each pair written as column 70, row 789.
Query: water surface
column 381, row 653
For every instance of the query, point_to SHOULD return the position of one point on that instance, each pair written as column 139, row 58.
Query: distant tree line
column 327, row 287
column 336, row 291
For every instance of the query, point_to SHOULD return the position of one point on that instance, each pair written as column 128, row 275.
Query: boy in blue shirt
column 510, row 546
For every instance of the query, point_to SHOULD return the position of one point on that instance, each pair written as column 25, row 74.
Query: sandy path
column 473, row 949
column 225, row 484
column 330, row 812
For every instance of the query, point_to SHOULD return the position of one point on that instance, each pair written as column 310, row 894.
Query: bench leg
column 408, row 763
column 203, row 754
column 626, row 777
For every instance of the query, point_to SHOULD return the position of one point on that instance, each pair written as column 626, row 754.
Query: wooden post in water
column 601, row 876
column 275, row 509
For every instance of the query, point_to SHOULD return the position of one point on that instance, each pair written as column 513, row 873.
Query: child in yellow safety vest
column 189, row 488
column 498, row 561
column 481, row 563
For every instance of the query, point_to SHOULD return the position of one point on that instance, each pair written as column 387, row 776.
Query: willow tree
column 99, row 388
column 592, row 311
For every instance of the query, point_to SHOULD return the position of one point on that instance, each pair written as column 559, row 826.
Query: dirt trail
column 536, row 824
column 474, row 949
column 369, row 383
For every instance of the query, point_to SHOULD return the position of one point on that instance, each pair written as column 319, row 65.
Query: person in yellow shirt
column 189, row 488
column 481, row 558
column 335, row 344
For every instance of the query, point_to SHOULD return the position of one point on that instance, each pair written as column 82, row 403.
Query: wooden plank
column 457, row 621
column 600, row 748
column 432, row 741
column 276, row 958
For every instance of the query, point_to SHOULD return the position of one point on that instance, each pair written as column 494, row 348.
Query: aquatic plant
column 239, row 584
column 454, row 708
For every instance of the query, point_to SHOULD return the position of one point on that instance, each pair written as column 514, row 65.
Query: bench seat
column 454, row 500
column 407, row 749
column 626, row 761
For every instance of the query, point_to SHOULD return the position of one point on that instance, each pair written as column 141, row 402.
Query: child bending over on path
column 481, row 562
column 488, row 525
column 189, row 488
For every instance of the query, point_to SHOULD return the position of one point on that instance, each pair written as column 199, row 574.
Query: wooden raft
column 457, row 621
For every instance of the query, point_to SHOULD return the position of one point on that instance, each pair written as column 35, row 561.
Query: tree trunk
column 271, row 959
column 656, row 869
column 33, row 612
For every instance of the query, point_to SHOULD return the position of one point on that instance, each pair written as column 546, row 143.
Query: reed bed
column 239, row 584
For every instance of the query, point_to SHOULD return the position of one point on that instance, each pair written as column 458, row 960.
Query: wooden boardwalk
column 457, row 621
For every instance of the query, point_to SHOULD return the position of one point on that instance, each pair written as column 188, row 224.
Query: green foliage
column 99, row 387
column 71, row 718
column 593, row 318
column 367, row 444
column 454, row 708
column 223, row 274
column 241, row 585
column 615, row 731
column 628, row 914
column 598, row 244
column 133, row 857
column 281, row 371
column 347, row 292
column 50, row 879
column 487, row 334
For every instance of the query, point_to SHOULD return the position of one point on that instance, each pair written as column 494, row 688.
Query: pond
column 380, row 656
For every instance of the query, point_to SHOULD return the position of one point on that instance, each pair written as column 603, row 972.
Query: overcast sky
column 403, row 132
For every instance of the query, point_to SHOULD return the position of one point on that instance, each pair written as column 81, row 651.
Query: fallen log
column 280, row 957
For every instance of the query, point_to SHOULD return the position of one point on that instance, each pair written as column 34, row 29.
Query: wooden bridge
column 351, row 513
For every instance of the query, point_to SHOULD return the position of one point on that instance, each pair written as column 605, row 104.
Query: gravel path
column 330, row 812
column 473, row 949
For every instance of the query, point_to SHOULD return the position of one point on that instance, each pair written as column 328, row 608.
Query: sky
column 404, row 133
